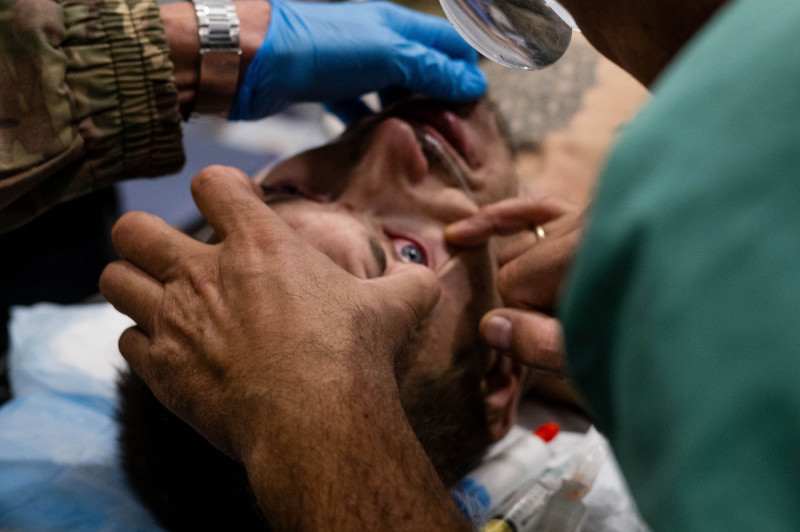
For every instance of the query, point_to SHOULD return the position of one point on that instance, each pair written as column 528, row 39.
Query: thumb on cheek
column 409, row 290
column 533, row 338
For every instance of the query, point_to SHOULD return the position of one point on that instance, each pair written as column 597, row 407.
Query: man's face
column 370, row 199
column 383, row 193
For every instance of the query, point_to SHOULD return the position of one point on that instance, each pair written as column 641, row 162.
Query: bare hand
column 533, row 266
column 261, row 322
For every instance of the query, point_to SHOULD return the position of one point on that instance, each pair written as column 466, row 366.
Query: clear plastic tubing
column 432, row 145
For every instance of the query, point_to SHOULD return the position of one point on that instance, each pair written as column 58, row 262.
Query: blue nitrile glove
column 338, row 52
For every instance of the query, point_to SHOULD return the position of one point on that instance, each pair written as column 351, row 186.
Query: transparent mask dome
column 524, row 34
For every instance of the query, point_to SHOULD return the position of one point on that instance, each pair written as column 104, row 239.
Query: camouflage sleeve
column 87, row 98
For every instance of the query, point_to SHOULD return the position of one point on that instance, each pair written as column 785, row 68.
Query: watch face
column 218, row 24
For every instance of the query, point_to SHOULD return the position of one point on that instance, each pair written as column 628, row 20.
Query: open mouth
column 441, row 134
column 445, row 124
column 443, row 140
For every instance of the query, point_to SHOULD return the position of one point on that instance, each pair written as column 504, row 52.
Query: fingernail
column 498, row 333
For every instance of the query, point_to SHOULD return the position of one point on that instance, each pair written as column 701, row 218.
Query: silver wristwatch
column 220, row 55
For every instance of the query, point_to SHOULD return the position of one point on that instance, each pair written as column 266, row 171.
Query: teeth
column 433, row 148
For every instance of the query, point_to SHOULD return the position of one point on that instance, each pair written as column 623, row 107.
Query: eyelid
column 283, row 186
column 289, row 190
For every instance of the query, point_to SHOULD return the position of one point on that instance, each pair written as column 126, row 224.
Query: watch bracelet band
column 220, row 56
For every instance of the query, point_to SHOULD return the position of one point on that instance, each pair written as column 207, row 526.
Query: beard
column 448, row 416
column 189, row 485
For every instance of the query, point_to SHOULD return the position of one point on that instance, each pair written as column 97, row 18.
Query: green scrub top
column 682, row 311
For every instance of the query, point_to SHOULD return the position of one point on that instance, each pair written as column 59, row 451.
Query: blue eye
column 409, row 251
column 412, row 253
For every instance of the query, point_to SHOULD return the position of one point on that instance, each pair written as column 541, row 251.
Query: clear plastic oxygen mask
column 524, row 34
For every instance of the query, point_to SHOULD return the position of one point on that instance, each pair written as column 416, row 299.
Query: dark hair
column 183, row 480
column 188, row 484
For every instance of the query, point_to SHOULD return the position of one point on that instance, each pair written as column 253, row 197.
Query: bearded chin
column 448, row 416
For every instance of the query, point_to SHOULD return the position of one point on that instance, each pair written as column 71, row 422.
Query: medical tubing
column 553, row 501
column 488, row 487
column 522, row 511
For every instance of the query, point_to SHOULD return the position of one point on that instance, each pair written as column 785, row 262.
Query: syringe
column 553, row 502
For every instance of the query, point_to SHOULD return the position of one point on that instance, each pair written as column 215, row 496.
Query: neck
column 641, row 36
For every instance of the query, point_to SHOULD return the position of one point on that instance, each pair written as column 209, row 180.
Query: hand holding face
column 533, row 266
column 261, row 322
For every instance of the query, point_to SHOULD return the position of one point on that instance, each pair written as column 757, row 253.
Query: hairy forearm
column 352, row 462
column 180, row 26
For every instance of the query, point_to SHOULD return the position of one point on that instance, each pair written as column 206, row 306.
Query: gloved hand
column 338, row 52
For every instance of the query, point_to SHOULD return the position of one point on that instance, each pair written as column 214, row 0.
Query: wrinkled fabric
column 87, row 98
column 683, row 306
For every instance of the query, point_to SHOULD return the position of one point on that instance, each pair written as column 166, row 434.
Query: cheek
column 435, row 344
column 447, row 204
column 338, row 236
column 308, row 219
column 468, row 292
column 470, row 277
column 300, row 217
column 500, row 179
column 497, row 177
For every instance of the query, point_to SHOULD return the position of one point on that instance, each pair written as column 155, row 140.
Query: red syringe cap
column 547, row 431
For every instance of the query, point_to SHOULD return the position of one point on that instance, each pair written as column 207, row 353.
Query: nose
column 390, row 169
column 394, row 177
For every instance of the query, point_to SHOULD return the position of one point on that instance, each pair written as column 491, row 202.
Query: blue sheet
column 59, row 469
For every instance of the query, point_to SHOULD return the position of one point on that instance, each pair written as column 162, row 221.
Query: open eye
column 410, row 251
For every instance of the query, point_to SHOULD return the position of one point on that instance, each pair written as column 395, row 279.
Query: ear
column 502, row 387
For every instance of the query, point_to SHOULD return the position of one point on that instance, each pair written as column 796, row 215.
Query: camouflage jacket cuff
column 92, row 101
